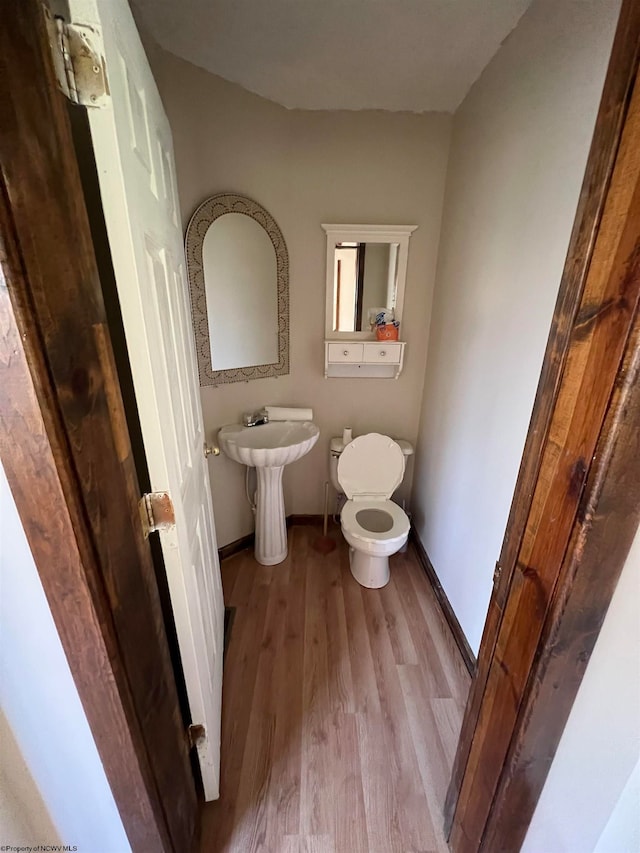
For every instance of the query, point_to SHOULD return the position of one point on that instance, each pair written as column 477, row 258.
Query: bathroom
column 476, row 315
column 489, row 178
column 304, row 176
column 475, row 318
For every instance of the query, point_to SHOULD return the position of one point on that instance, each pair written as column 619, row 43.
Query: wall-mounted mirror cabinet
column 239, row 281
column 366, row 273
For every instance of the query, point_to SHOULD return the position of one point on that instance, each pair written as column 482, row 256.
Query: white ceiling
column 415, row 55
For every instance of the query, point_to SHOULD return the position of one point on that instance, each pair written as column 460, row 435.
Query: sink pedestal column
column 271, row 525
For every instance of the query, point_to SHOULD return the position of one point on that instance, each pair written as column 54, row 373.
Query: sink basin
column 268, row 448
column 269, row 445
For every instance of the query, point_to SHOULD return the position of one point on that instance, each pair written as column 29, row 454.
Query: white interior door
column 134, row 157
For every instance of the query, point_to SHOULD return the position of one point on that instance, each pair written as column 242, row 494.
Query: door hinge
column 196, row 733
column 78, row 60
column 156, row 512
column 496, row 573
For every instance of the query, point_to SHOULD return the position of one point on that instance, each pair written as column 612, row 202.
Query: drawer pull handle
column 345, row 352
column 383, row 352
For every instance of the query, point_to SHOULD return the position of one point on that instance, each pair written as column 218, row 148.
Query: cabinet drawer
column 344, row 352
column 383, row 352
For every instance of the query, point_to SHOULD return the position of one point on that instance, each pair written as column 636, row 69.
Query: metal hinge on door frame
column 196, row 734
column 78, row 60
column 156, row 512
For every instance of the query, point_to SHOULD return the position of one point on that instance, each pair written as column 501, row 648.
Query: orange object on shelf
column 389, row 332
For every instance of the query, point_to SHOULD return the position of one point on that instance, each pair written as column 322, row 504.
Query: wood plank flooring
column 341, row 708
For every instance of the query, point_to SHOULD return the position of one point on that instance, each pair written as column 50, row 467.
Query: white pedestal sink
column 268, row 448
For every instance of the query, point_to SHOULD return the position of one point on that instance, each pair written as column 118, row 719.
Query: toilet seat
column 354, row 526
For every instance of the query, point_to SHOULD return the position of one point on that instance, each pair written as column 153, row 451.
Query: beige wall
column 307, row 168
column 376, row 277
column 24, row 819
column 518, row 151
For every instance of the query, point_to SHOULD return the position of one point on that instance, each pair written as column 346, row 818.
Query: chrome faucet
column 251, row 419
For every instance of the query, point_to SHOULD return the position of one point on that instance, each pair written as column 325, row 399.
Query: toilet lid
column 372, row 465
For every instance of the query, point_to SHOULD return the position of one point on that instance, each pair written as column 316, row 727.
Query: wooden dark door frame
column 360, row 262
column 576, row 504
column 66, row 451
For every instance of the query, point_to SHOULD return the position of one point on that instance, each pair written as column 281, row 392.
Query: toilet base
column 372, row 572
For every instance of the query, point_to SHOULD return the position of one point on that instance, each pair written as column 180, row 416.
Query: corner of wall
column 518, row 148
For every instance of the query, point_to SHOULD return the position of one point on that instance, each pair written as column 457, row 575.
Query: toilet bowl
column 369, row 470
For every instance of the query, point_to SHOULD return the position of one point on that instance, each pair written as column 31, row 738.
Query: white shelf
column 365, row 359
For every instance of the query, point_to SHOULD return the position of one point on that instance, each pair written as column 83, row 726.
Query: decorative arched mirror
column 238, row 269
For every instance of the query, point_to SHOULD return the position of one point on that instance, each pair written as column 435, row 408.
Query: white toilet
column 369, row 470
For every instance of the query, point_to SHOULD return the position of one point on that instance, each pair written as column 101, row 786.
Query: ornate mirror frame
column 204, row 216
